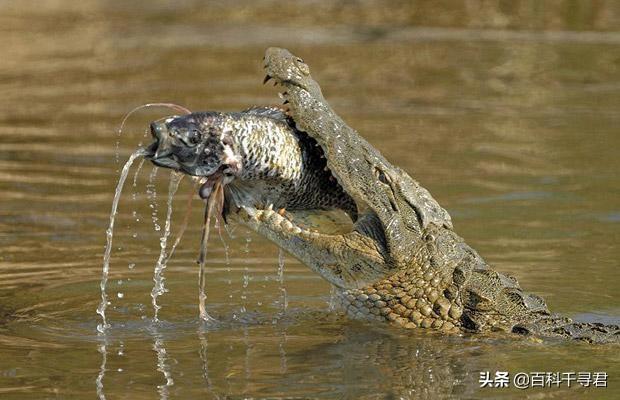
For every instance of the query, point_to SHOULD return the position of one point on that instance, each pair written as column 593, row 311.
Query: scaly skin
column 402, row 262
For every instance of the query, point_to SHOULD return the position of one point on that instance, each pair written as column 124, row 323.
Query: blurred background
column 507, row 111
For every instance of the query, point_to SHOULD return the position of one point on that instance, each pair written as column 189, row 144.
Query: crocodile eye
column 303, row 68
column 381, row 176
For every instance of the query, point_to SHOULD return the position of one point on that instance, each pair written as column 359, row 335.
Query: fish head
column 196, row 144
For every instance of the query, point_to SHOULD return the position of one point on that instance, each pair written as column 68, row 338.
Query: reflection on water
column 159, row 346
column 102, row 348
column 506, row 111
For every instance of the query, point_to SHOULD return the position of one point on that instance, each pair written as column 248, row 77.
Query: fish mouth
column 159, row 151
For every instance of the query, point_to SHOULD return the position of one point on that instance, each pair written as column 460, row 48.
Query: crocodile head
column 393, row 209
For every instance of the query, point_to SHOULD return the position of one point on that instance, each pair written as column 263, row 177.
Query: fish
column 257, row 156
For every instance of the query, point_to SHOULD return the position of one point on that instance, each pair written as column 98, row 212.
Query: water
column 283, row 298
column 159, row 347
column 158, row 273
column 188, row 211
column 508, row 112
column 109, row 236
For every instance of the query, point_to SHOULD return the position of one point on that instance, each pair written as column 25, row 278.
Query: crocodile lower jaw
column 275, row 220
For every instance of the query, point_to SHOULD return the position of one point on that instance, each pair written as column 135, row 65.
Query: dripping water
column 136, row 174
column 333, row 298
column 109, row 233
column 284, row 305
column 151, row 193
column 158, row 278
column 188, row 208
column 283, row 296
column 134, row 213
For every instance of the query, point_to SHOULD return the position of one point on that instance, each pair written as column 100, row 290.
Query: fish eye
column 189, row 137
column 193, row 136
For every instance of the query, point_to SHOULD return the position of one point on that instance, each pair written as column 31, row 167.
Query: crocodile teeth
column 286, row 224
column 267, row 77
column 245, row 212
column 273, row 218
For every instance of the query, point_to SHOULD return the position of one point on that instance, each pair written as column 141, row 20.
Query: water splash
column 158, row 274
column 109, row 234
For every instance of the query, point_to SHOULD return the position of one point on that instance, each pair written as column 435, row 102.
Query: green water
column 508, row 112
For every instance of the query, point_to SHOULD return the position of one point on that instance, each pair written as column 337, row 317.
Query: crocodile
column 401, row 262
